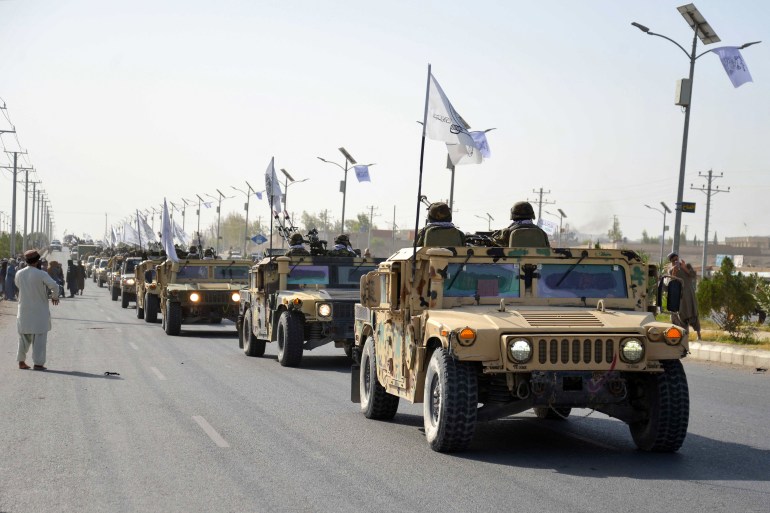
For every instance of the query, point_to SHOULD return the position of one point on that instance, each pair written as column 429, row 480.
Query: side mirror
column 369, row 285
column 673, row 292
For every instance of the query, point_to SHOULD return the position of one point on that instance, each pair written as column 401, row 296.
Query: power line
column 708, row 191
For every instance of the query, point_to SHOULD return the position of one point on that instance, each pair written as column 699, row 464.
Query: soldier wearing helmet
column 342, row 247
column 439, row 230
column 297, row 246
column 522, row 232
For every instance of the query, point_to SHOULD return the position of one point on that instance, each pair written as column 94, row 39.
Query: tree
column 646, row 239
column 615, row 234
column 727, row 297
column 716, row 241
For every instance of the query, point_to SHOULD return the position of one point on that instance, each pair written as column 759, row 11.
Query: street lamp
column 344, row 183
column 701, row 29
column 219, row 211
column 488, row 219
column 184, row 209
column 246, row 208
column 286, row 183
column 562, row 215
column 663, row 233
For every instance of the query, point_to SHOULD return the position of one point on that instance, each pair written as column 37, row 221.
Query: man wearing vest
column 439, row 230
column 522, row 232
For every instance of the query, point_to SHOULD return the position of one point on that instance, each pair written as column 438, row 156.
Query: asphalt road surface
column 192, row 424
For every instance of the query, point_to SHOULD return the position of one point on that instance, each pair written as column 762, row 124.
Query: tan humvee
column 479, row 333
column 147, row 299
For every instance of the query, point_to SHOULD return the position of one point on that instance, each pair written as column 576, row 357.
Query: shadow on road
column 326, row 363
column 79, row 374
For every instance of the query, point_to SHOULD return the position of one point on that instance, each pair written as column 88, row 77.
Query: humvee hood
column 487, row 317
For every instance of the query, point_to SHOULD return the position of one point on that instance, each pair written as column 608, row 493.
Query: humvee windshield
column 585, row 280
column 103, row 264
column 235, row 272
column 351, row 274
column 486, row 280
column 130, row 265
column 193, row 272
column 308, row 275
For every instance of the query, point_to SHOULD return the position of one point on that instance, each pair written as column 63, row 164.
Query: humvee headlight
column 466, row 336
column 324, row 310
column 631, row 350
column 235, row 297
column 195, row 297
column 673, row 335
column 655, row 334
column 520, row 350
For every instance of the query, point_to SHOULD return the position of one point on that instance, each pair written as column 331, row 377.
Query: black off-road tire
column 115, row 293
column 239, row 329
column 124, row 300
column 450, row 402
column 552, row 413
column 101, row 284
column 172, row 318
column 139, row 312
column 252, row 346
column 290, row 339
column 376, row 403
column 151, row 306
column 666, row 403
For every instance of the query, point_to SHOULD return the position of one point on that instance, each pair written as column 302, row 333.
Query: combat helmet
column 522, row 210
column 342, row 239
column 296, row 239
column 439, row 212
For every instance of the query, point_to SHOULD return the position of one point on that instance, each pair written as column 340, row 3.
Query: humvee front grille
column 575, row 350
column 561, row 319
column 216, row 297
column 343, row 310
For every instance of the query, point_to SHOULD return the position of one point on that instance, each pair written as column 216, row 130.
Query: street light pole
column 246, row 208
column 488, row 219
column 344, row 183
column 701, row 29
column 663, row 232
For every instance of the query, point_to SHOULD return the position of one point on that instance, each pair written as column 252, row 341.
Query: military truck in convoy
column 194, row 291
column 127, row 281
column 147, row 298
column 100, row 271
column 301, row 302
column 480, row 333
column 113, row 276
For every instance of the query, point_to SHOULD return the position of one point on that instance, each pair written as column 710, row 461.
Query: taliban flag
column 167, row 235
column 273, row 187
column 734, row 65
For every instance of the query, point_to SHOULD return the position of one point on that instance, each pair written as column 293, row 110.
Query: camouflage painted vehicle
column 147, row 298
column 90, row 265
column 480, row 333
column 302, row 302
column 101, row 270
column 128, row 280
column 197, row 291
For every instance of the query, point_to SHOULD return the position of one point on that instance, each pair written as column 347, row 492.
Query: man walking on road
column 34, row 319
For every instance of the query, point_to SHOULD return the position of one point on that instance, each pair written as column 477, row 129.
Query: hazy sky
column 122, row 103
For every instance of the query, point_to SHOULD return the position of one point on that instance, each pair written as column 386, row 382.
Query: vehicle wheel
column 252, row 346
column 151, row 308
column 665, row 399
column 172, row 318
column 239, row 329
column 552, row 413
column 450, row 403
column 124, row 300
column 101, row 283
column 348, row 348
column 376, row 403
column 115, row 293
column 139, row 312
column 290, row 338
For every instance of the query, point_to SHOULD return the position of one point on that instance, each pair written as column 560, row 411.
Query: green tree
column 615, row 234
column 646, row 239
column 727, row 297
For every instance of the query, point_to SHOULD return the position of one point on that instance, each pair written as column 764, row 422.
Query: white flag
column 130, row 235
column 362, row 173
column 461, row 154
column 259, row 194
column 167, row 237
column 146, row 230
column 734, row 65
column 444, row 123
column 548, row 227
column 179, row 235
column 113, row 237
column 272, row 186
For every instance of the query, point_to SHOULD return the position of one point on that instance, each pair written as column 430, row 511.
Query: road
column 191, row 424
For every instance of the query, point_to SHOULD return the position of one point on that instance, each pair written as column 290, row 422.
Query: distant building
column 748, row 242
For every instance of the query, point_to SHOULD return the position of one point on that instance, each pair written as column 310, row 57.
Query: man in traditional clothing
column 81, row 276
column 688, row 305
column 72, row 278
column 33, row 320
column 10, row 288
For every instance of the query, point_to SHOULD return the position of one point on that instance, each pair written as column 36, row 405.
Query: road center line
column 158, row 373
column 133, row 345
column 206, row 427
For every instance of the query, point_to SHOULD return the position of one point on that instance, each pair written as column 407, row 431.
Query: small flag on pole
column 362, row 173
column 272, row 186
column 259, row 194
column 208, row 204
column 734, row 65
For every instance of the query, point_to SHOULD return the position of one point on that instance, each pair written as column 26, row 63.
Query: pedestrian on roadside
column 72, row 279
column 688, row 306
column 81, row 276
column 10, row 287
column 3, row 271
column 33, row 320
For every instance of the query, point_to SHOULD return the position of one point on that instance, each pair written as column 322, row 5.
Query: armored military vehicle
column 194, row 291
column 128, row 280
column 480, row 333
column 302, row 302
column 100, row 271
column 147, row 298
column 113, row 276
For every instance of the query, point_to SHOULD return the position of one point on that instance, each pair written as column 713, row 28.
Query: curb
column 723, row 353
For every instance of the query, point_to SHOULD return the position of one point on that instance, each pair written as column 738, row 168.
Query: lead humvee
column 480, row 333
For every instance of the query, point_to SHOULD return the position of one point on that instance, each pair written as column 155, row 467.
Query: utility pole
column 540, row 202
column 13, row 202
column 708, row 191
column 369, row 235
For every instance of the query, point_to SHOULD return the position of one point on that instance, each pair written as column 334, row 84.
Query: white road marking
column 206, row 427
column 133, row 345
column 158, row 373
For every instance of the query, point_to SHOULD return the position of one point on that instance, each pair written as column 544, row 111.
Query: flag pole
column 419, row 183
column 270, row 203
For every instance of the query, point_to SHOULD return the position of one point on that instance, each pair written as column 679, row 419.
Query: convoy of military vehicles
column 474, row 332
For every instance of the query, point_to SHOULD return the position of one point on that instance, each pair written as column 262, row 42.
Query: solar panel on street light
column 347, row 155
column 695, row 19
